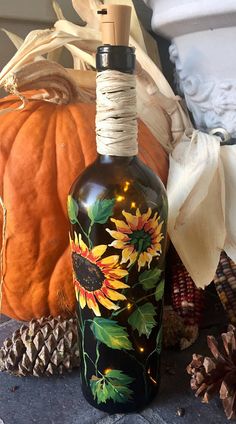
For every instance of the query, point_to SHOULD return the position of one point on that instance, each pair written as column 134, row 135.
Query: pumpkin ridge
column 61, row 119
column 85, row 146
column 15, row 136
column 53, row 292
column 36, row 257
column 83, row 151
column 4, row 240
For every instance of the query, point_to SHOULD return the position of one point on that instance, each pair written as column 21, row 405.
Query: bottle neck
column 117, row 160
column 116, row 118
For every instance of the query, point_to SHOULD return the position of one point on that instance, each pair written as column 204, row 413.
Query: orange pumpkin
column 43, row 148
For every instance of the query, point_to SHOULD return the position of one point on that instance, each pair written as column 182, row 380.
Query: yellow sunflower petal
column 156, row 239
column 158, row 230
column 77, row 293
column 104, row 301
column 157, row 247
column 121, row 226
column 71, row 240
column 115, row 284
column 116, row 273
column 82, row 299
column 92, row 303
column 82, row 245
column 148, row 257
column 112, row 294
column 126, row 254
column 152, row 250
column 132, row 220
column 117, row 235
column 110, row 260
column 76, row 239
column 98, row 251
column 118, row 244
column 146, row 215
column 138, row 213
column 141, row 260
column 133, row 258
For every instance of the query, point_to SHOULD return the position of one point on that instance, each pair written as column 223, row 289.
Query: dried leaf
column 153, row 91
column 83, row 50
column 87, row 38
column 37, row 42
column 87, row 10
column 55, row 55
column 82, row 60
column 16, row 40
column 57, row 9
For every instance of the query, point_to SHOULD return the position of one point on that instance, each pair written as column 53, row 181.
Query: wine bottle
column 118, row 212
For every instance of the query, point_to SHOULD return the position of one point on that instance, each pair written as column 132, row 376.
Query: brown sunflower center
column 89, row 275
column 141, row 240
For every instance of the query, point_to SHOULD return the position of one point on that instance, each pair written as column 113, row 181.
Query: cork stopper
column 115, row 24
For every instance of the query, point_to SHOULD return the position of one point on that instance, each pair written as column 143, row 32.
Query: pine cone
column 46, row 346
column 218, row 373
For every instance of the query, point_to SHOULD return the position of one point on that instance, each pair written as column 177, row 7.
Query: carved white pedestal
column 203, row 34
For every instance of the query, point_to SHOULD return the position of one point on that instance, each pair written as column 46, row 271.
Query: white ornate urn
column 203, row 34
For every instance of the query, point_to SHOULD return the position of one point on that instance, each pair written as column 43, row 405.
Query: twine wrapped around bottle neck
column 116, row 119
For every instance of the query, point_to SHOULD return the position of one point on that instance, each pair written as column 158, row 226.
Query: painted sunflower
column 96, row 280
column 139, row 237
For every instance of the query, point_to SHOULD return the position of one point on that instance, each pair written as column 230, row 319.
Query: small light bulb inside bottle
column 119, row 198
column 126, row 186
column 107, row 370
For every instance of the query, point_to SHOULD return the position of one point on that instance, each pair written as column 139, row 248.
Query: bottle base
column 119, row 408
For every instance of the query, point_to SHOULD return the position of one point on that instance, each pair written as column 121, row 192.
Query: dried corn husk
column 228, row 156
column 58, row 10
column 88, row 11
column 153, row 90
column 15, row 39
column 196, row 194
column 39, row 42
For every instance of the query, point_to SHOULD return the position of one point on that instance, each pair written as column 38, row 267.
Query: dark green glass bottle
column 118, row 213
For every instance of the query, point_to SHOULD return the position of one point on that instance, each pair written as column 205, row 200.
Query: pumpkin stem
column 4, row 227
column 52, row 80
column 10, row 86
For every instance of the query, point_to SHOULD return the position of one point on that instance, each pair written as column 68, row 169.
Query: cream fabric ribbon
column 116, row 118
column 202, row 203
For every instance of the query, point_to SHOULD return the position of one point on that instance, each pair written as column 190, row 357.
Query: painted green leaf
column 150, row 278
column 111, row 333
column 101, row 210
column 99, row 389
column 142, row 319
column 160, row 290
column 119, row 375
column 72, row 209
column 159, row 341
column 113, row 385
